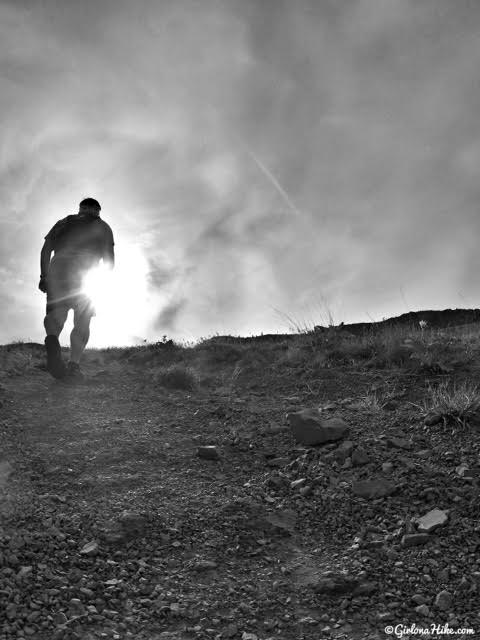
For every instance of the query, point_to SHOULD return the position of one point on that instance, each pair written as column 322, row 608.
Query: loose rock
column 399, row 443
column 208, row 452
column 310, row 428
column 423, row 610
column 415, row 539
column 370, row 489
column 432, row 520
column 89, row 549
column 360, row 457
column 444, row 600
column 335, row 583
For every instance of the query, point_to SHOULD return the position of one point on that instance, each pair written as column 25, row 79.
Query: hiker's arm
column 108, row 251
column 45, row 254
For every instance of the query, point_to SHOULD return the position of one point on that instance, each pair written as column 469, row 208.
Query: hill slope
column 113, row 526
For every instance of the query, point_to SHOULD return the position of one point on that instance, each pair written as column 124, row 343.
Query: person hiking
column 79, row 242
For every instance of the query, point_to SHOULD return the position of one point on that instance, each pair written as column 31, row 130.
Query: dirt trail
column 187, row 546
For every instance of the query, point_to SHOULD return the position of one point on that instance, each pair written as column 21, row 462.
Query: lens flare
column 99, row 285
column 120, row 297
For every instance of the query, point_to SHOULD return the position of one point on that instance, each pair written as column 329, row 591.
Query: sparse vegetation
column 456, row 403
column 176, row 376
column 115, row 465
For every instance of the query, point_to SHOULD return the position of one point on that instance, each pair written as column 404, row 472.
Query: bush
column 176, row 376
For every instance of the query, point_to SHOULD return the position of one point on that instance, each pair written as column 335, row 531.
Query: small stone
column 342, row 452
column 432, row 520
column 385, row 616
column 60, row 618
column 335, row 583
column 24, row 572
column 76, row 607
column 466, row 472
column 89, row 549
column 231, row 630
column 433, row 419
column 464, row 584
column 310, row 428
column 11, row 611
column 298, row 483
column 399, row 443
column 278, row 462
column 424, row 453
column 419, row 599
column 423, row 610
column 371, row 489
column 133, row 520
column 444, row 575
column 209, row 452
column 365, row 589
column 360, row 457
column 205, row 565
column 387, row 467
column 415, row 539
column 306, row 491
column 444, row 600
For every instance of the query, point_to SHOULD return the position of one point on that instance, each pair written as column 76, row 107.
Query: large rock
column 432, row 520
column 371, row 489
column 309, row 427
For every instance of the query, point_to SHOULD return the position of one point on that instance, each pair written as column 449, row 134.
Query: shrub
column 176, row 376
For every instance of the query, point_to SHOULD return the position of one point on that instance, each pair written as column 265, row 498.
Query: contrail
column 274, row 181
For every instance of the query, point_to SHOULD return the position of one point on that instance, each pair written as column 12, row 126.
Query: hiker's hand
column 42, row 285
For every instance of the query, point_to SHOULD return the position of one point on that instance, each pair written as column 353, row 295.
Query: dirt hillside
column 115, row 523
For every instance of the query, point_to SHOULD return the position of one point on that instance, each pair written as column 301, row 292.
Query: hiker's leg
column 55, row 320
column 80, row 333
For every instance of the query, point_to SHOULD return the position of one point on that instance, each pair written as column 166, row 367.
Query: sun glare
column 120, row 297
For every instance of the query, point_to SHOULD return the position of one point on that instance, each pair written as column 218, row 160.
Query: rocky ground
column 132, row 510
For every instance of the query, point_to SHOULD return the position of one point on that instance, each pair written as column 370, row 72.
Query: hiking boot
column 74, row 373
column 55, row 365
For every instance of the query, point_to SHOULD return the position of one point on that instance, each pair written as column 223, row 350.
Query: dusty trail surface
column 112, row 526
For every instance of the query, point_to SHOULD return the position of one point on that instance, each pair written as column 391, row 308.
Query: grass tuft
column 457, row 403
column 176, row 376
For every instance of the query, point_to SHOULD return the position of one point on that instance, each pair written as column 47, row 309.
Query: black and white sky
column 256, row 159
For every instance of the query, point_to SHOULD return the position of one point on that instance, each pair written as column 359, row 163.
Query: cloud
column 261, row 155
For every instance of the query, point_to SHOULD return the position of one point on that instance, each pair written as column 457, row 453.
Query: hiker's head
column 90, row 207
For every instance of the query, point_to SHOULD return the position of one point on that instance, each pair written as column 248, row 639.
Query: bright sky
column 256, row 159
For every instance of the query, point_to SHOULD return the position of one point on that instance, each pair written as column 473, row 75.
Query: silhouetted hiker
column 79, row 241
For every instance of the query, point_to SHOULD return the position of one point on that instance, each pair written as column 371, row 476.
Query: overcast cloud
column 268, row 158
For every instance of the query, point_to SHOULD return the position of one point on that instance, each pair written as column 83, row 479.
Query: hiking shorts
column 66, row 294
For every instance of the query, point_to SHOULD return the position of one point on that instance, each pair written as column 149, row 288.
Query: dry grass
column 176, row 376
column 456, row 403
column 415, row 349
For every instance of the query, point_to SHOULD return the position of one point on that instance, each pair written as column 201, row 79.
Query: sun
column 120, row 297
